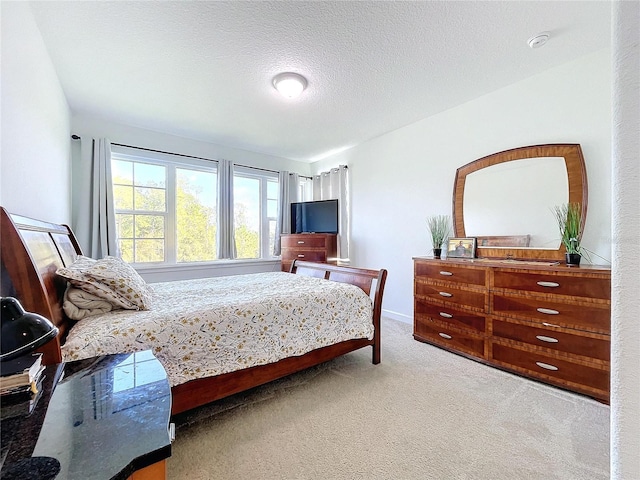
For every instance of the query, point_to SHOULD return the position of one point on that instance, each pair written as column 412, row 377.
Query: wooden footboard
column 368, row 280
column 32, row 251
column 205, row 390
column 202, row 391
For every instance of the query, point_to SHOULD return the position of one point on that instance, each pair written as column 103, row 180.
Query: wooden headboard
column 31, row 252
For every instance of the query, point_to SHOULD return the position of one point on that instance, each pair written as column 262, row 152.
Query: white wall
column 401, row 178
column 35, row 144
column 88, row 126
column 625, row 303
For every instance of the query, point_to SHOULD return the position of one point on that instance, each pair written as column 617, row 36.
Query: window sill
column 219, row 268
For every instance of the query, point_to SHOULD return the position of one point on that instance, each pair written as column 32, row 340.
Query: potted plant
column 439, row 227
column 569, row 218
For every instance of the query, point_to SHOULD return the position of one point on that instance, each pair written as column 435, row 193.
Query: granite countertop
column 100, row 418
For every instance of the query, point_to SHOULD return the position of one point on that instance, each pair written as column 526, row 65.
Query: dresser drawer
column 546, row 366
column 580, row 343
column 451, row 295
column 554, row 283
column 592, row 317
column 450, row 316
column 440, row 334
column 451, row 273
column 289, row 255
column 303, row 241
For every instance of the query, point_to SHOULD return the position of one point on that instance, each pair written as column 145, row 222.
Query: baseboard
column 401, row 317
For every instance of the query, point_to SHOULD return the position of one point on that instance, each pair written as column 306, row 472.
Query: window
column 140, row 192
column 305, row 189
column 166, row 208
column 255, row 209
column 196, row 200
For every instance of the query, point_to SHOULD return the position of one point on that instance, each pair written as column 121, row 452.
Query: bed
column 32, row 251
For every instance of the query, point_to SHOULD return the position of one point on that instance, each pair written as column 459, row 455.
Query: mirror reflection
column 516, row 198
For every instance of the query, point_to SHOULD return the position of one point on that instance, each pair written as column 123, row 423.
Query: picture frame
column 458, row 247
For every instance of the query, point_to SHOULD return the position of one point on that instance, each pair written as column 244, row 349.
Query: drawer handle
column 544, row 338
column 550, row 325
column 548, row 311
column 549, row 284
column 546, row 366
column 446, row 315
column 444, row 335
column 444, row 272
column 300, row 255
column 300, row 242
column 446, row 294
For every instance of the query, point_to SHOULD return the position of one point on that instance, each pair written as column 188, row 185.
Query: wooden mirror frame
column 576, row 175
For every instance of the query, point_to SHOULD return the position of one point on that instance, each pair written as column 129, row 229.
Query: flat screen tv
column 320, row 216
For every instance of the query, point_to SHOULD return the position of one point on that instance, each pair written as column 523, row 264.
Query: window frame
column 169, row 220
column 172, row 163
column 264, row 177
column 305, row 189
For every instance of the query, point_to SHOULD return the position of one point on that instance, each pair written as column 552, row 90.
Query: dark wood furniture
column 577, row 178
column 309, row 247
column 33, row 250
column 104, row 417
column 546, row 322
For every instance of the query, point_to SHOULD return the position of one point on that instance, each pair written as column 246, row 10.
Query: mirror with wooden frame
column 506, row 200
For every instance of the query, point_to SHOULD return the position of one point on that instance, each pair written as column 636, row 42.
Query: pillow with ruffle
column 111, row 279
column 76, row 271
column 122, row 279
column 76, row 274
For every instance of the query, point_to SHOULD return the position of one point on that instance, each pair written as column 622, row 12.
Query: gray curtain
column 225, row 235
column 335, row 184
column 288, row 184
column 93, row 207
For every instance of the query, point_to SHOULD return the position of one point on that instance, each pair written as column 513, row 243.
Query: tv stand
column 310, row 247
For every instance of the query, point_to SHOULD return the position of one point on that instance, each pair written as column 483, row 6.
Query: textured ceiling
column 203, row 69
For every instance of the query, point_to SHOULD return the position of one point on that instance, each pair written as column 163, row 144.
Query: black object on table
column 100, row 418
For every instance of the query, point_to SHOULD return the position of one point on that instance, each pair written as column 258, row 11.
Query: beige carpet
column 423, row 413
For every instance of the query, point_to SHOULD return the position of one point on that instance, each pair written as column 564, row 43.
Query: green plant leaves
column 439, row 227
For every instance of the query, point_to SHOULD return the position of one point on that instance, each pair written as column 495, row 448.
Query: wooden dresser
column 310, row 247
column 547, row 322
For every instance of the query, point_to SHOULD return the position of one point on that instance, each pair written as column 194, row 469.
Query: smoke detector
column 538, row 40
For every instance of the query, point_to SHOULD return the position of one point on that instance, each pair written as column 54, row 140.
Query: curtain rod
column 198, row 158
column 188, row 156
column 162, row 151
column 77, row 137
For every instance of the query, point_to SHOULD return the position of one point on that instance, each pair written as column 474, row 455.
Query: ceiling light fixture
column 289, row 84
column 538, row 40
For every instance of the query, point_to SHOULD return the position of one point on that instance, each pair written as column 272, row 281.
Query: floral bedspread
column 205, row 327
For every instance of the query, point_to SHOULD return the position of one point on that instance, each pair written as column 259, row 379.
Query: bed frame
column 32, row 251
